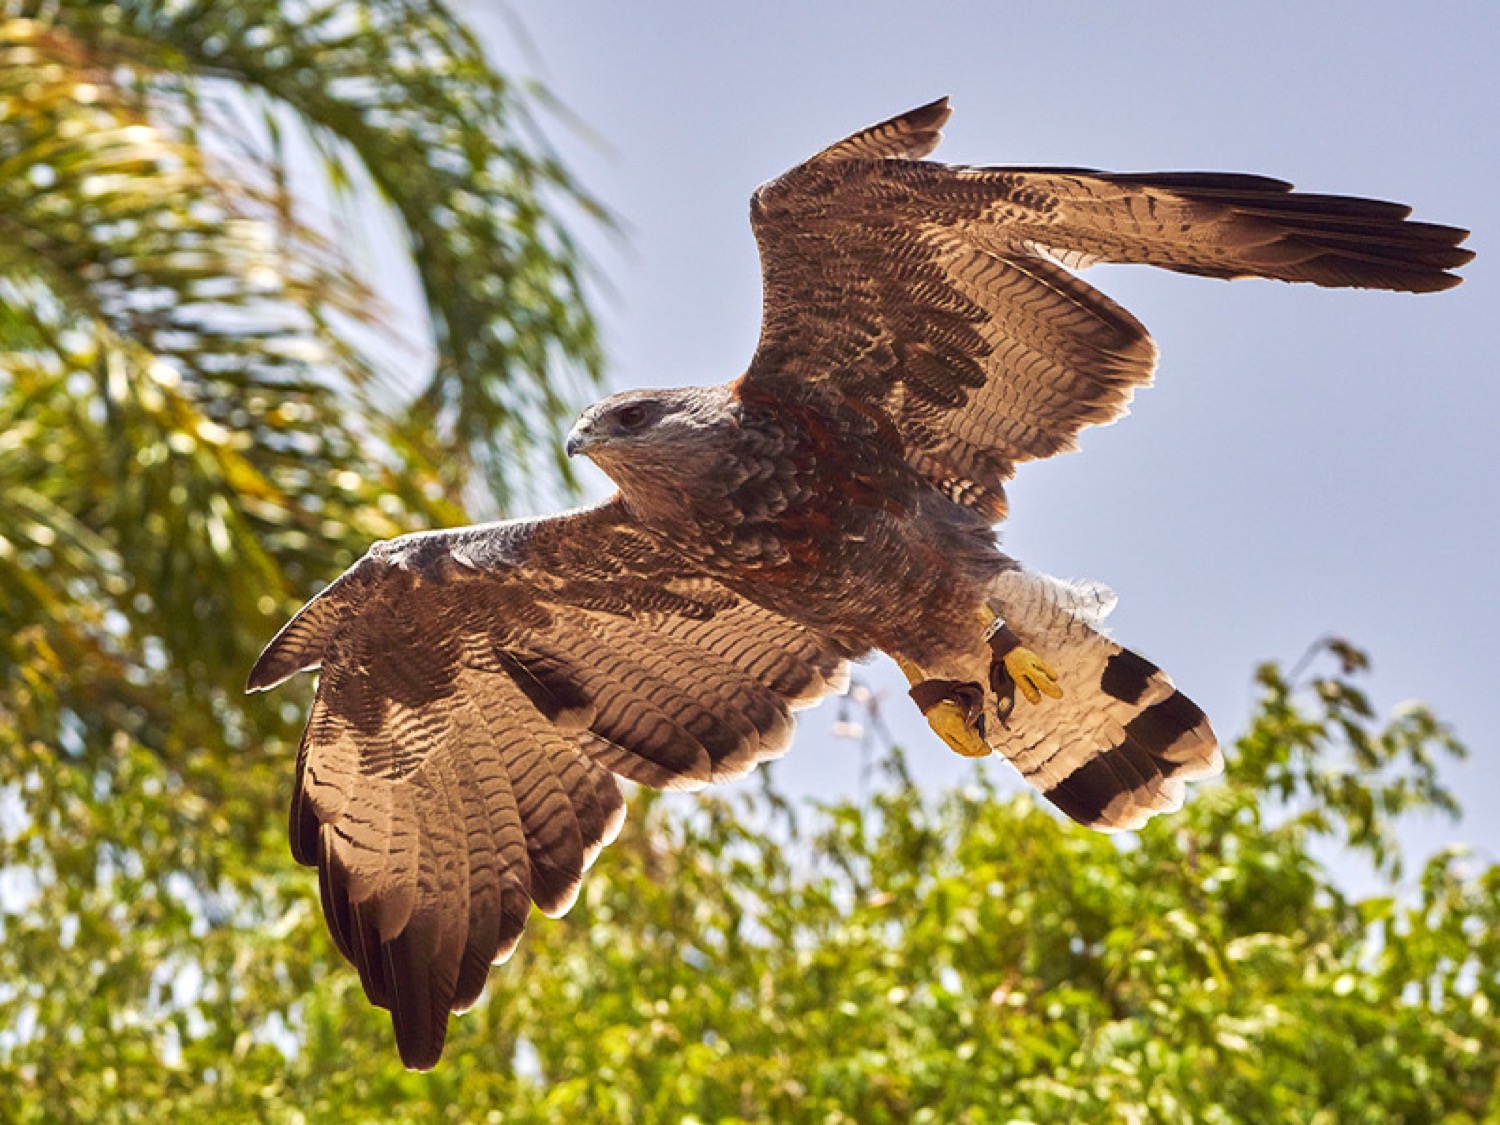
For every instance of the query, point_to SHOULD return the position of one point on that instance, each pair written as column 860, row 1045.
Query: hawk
column 482, row 688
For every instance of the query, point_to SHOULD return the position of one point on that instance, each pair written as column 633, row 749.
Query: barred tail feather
column 1122, row 743
column 1142, row 765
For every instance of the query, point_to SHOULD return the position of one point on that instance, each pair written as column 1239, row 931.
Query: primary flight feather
column 481, row 688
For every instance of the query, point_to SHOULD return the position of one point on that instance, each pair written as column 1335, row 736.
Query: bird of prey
column 483, row 688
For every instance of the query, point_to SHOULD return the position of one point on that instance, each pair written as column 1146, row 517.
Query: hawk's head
column 656, row 440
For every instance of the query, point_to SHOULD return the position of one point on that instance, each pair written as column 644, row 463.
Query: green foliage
column 196, row 428
column 397, row 93
column 971, row 958
column 962, row 957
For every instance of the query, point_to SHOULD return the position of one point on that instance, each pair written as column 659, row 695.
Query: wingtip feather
column 270, row 670
column 907, row 136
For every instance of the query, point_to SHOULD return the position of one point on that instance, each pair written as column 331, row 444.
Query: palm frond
column 400, row 92
column 178, row 333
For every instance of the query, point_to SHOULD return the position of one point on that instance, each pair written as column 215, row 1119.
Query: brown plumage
column 482, row 687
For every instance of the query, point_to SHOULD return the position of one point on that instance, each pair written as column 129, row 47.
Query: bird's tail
column 1121, row 742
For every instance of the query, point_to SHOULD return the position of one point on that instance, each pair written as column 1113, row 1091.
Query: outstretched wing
column 480, row 689
column 941, row 292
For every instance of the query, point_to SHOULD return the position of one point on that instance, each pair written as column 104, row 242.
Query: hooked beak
column 579, row 439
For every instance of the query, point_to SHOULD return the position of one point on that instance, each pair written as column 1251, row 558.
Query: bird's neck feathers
column 663, row 477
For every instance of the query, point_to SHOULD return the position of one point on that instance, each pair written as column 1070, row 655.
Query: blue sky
column 1310, row 461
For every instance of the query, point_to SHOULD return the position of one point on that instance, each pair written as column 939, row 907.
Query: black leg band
column 1002, row 642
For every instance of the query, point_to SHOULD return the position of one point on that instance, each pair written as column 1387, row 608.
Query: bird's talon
column 953, row 708
column 1032, row 675
column 951, row 723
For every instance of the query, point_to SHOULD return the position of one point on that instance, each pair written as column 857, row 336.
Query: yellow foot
column 1022, row 667
column 954, row 710
column 1032, row 675
column 952, row 726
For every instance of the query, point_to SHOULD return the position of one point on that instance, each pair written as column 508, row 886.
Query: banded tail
column 1122, row 743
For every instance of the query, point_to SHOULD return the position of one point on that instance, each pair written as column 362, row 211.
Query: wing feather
column 740, row 722
column 943, row 294
column 479, row 690
column 475, row 768
column 911, row 136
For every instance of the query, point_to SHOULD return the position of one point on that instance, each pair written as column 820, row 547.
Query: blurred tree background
column 205, row 412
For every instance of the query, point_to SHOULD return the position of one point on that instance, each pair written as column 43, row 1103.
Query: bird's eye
column 631, row 417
